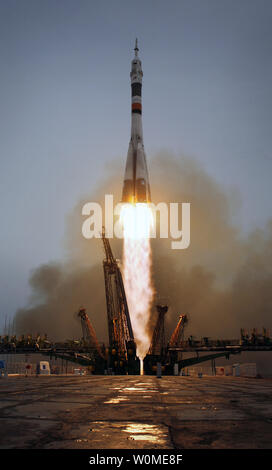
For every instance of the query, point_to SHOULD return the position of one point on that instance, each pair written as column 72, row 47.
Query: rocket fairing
column 136, row 186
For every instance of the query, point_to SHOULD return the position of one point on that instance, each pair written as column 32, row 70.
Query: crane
column 177, row 337
column 89, row 335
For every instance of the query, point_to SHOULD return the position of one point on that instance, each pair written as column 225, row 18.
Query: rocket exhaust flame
column 137, row 220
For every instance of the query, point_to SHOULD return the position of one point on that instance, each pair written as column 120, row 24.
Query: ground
column 135, row 412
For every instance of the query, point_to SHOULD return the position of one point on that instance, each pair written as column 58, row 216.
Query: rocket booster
column 136, row 186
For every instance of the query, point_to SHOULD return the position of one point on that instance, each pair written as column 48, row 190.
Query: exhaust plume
column 222, row 281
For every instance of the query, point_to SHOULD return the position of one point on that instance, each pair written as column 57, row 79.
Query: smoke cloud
column 222, row 281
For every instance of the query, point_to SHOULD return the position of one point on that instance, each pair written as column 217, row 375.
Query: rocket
column 136, row 186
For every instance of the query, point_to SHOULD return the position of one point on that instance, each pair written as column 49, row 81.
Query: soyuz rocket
column 136, row 186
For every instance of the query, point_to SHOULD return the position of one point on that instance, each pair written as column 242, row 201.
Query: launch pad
column 133, row 412
column 119, row 357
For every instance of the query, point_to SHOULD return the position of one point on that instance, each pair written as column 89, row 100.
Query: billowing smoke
column 222, row 281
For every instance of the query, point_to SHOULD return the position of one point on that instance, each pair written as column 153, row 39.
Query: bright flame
column 141, row 367
column 137, row 222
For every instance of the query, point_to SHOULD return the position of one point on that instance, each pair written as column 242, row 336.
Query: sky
column 65, row 109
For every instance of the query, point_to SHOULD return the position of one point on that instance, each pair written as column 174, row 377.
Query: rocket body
column 136, row 186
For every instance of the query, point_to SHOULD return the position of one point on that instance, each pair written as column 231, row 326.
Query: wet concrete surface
column 135, row 412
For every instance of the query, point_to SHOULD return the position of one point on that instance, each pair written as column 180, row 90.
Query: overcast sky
column 65, row 108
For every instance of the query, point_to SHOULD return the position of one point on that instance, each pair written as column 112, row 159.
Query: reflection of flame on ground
column 116, row 400
column 153, row 434
column 146, row 432
column 137, row 389
column 137, row 222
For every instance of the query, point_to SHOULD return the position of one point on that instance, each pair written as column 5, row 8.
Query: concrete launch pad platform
column 135, row 412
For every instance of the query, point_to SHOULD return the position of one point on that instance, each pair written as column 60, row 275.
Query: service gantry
column 119, row 325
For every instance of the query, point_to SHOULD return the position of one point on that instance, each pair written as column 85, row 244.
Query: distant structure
column 89, row 335
column 177, row 338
